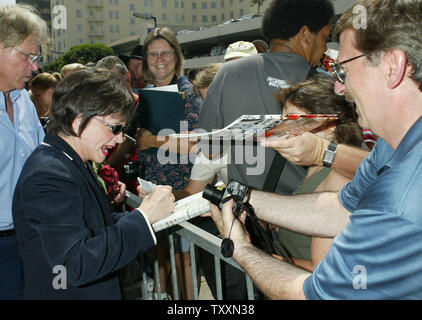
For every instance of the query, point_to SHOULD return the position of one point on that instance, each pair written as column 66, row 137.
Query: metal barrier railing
column 197, row 237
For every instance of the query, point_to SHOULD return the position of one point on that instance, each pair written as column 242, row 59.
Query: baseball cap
column 135, row 54
column 240, row 49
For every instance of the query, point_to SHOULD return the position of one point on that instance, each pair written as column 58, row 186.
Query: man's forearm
column 275, row 278
column 315, row 214
column 347, row 160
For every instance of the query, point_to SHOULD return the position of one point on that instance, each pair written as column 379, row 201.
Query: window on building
column 163, row 3
column 204, row 18
column 214, row 18
column 145, row 3
column 193, row 19
column 182, row 18
column 222, row 3
column 214, row 5
column 176, row 4
column 131, row 7
column 111, row 29
column 78, row 28
column 116, row 14
column 164, row 17
column 78, row 13
column 151, row 3
column 116, row 2
column 117, row 29
column 231, row 15
column 231, row 2
column 110, row 14
column 132, row 21
column 193, row 5
column 182, row 4
column 241, row 12
column 222, row 17
column 204, row 5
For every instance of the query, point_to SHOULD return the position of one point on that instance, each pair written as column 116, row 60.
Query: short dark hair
column 89, row 92
column 284, row 18
column 316, row 95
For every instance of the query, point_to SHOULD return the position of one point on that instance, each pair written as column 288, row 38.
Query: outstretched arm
column 275, row 278
column 313, row 214
column 308, row 150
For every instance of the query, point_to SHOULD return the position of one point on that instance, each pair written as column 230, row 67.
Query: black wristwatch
column 329, row 155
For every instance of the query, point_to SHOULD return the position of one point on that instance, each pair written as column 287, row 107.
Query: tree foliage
column 83, row 54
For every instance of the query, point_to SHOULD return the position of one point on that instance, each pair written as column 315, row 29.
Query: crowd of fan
column 339, row 197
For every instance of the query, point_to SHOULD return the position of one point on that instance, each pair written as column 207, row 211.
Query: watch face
column 329, row 155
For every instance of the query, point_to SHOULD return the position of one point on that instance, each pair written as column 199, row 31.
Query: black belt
column 7, row 233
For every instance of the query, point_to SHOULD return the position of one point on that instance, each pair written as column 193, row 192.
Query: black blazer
column 63, row 218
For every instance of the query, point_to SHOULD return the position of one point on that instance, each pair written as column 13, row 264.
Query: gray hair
column 111, row 62
column 19, row 22
column 390, row 25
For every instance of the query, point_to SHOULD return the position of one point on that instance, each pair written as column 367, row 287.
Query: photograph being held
column 62, row 214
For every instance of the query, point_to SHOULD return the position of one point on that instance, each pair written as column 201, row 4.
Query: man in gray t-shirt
column 246, row 86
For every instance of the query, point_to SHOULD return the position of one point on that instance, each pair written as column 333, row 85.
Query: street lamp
column 146, row 17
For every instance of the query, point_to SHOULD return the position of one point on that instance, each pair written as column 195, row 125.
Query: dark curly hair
column 284, row 18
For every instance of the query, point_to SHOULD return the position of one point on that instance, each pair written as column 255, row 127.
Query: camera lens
column 213, row 194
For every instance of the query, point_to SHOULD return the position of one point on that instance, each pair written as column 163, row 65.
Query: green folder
column 161, row 110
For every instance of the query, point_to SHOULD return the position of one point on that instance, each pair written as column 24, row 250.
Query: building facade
column 108, row 21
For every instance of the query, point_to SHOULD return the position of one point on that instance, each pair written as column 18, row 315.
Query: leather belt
column 7, row 233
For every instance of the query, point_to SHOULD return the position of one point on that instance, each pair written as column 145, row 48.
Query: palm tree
column 257, row 2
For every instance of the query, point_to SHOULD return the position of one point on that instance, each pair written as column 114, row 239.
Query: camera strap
column 260, row 236
column 274, row 173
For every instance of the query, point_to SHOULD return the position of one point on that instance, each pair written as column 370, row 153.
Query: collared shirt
column 17, row 142
column 379, row 254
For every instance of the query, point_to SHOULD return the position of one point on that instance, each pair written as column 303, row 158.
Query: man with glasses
column 376, row 218
column 21, row 33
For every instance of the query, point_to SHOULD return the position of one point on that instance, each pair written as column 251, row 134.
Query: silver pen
column 129, row 137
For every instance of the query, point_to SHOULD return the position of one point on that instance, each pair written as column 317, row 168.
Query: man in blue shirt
column 376, row 218
column 21, row 33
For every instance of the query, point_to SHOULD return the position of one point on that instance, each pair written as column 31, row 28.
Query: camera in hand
column 235, row 189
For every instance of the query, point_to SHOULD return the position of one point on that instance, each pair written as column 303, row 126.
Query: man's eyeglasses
column 32, row 59
column 338, row 72
column 115, row 129
column 164, row 54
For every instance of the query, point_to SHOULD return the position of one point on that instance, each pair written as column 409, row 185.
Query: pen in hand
column 130, row 138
